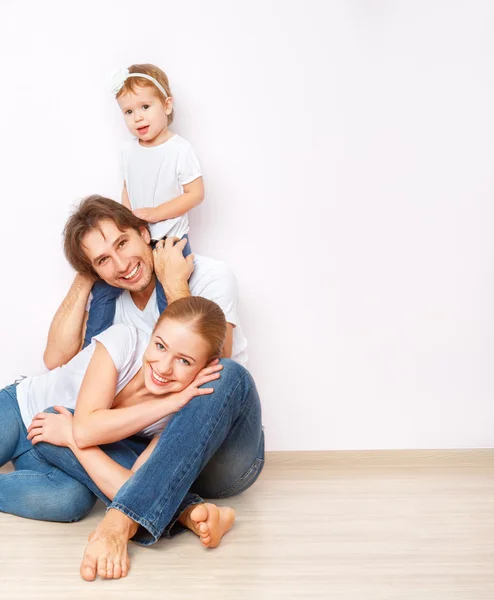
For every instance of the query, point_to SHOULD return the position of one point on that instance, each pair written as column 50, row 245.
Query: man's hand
column 51, row 428
column 146, row 214
column 172, row 269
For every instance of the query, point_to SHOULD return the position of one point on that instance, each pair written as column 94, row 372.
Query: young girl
column 121, row 388
column 162, row 176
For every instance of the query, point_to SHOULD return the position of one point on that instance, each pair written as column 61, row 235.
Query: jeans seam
column 135, row 517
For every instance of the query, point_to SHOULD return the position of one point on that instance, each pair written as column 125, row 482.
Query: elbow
column 51, row 360
column 81, row 436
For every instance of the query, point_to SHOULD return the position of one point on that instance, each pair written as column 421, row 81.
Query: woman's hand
column 51, row 428
column 209, row 373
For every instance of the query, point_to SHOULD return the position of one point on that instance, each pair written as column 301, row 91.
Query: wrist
column 174, row 290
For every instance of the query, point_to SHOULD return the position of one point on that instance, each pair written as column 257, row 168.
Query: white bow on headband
column 122, row 74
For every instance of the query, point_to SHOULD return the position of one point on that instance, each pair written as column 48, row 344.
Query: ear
column 169, row 105
column 145, row 234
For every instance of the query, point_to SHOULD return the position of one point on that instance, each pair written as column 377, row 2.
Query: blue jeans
column 213, row 448
column 36, row 489
column 103, row 303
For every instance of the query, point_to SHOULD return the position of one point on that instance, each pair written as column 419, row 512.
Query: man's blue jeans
column 36, row 490
column 213, row 448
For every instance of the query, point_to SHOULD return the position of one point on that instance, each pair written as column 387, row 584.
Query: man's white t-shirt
column 126, row 346
column 211, row 279
column 157, row 174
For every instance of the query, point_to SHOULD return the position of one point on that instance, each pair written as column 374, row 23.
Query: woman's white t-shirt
column 157, row 174
column 126, row 346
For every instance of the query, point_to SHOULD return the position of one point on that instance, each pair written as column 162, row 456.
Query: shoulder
column 119, row 333
column 214, row 280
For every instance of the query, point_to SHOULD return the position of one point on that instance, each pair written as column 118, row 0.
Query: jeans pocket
column 244, row 482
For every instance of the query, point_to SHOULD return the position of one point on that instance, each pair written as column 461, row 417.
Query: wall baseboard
column 362, row 459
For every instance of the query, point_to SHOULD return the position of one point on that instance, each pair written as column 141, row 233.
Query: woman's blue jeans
column 36, row 489
column 212, row 448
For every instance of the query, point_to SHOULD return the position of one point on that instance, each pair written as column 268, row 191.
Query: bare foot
column 209, row 522
column 106, row 554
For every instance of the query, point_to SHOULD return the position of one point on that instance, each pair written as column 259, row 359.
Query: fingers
column 215, row 361
column 209, row 370
column 63, row 411
column 35, row 431
column 35, row 424
column 206, row 379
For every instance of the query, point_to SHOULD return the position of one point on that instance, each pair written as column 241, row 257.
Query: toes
column 88, row 569
column 117, row 571
column 109, row 569
column 125, row 566
column 102, row 567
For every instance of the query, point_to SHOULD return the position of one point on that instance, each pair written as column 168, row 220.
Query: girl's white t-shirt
column 125, row 344
column 157, row 174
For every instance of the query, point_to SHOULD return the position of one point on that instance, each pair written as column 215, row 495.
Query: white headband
column 122, row 74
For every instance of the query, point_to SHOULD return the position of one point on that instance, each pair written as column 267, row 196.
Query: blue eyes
column 181, row 360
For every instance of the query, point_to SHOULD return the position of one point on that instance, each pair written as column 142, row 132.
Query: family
column 147, row 404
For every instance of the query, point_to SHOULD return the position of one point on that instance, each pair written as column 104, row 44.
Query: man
column 213, row 447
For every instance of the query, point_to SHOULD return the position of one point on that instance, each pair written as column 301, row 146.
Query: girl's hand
column 146, row 214
column 209, row 373
column 51, row 428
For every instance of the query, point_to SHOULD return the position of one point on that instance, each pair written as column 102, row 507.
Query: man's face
column 123, row 259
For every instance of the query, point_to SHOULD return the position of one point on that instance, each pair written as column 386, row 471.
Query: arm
column 228, row 345
column 172, row 269
column 125, row 197
column 107, row 474
column 66, row 334
column 95, row 422
column 193, row 195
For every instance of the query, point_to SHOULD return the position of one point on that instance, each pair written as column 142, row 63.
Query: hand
column 209, row 373
column 171, row 268
column 51, row 428
column 146, row 214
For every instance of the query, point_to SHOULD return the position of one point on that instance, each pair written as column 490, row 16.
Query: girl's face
column 146, row 116
column 174, row 357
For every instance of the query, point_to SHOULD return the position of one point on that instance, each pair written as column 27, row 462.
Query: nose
column 121, row 263
column 137, row 116
column 166, row 365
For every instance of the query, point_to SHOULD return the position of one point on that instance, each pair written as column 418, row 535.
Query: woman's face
column 173, row 358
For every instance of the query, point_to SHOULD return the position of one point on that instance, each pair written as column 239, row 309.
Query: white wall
column 348, row 151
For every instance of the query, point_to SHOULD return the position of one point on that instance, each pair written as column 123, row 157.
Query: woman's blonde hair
column 132, row 83
column 203, row 316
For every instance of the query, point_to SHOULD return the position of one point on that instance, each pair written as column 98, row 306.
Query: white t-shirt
column 157, row 174
column 126, row 346
column 211, row 279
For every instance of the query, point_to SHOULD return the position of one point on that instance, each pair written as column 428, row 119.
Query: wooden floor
column 344, row 525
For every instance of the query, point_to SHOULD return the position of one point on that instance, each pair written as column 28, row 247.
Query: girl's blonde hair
column 204, row 317
column 132, row 83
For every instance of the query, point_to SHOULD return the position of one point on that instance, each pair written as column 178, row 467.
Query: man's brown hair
column 87, row 216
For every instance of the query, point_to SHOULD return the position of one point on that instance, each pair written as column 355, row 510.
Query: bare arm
column 172, row 269
column 228, row 345
column 107, row 474
column 95, row 422
column 193, row 195
column 66, row 333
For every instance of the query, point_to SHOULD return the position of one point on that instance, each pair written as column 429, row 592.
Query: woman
column 124, row 387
